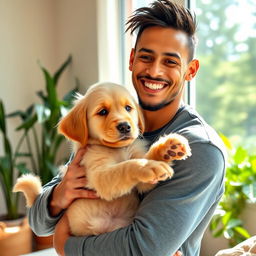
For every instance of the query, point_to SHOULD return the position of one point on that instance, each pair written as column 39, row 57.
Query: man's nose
column 155, row 69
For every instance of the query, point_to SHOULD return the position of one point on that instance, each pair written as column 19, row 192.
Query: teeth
column 154, row 86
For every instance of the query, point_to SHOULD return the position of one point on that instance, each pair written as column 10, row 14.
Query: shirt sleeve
column 169, row 215
column 40, row 220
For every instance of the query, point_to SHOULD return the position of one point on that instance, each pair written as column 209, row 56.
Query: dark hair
column 164, row 13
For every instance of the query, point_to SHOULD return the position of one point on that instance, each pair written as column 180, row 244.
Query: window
column 226, row 82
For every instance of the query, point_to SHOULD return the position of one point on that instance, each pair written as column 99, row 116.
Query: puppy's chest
column 101, row 155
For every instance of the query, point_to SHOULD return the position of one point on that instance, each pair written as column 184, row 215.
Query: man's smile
column 154, row 85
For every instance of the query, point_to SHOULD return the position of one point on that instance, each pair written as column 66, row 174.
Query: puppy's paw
column 154, row 171
column 172, row 147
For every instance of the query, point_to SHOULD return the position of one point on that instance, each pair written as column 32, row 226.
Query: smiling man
column 160, row 65
column 174, row 215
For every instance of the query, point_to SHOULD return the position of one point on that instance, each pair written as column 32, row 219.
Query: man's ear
column 74, row 125
column 131, row 60
column 193, row 67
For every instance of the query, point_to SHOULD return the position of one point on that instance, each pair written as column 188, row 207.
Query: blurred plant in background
column 39, row 123
column 240, row 189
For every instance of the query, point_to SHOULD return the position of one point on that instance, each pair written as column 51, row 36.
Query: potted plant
column 15, row 236
column 39, row 123
column 240, row 190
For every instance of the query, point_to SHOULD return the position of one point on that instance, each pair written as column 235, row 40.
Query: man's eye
column 103, row 112
column 170, row 62
column 128, row 108
column 145, row 58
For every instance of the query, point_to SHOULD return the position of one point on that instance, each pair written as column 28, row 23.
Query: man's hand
column 71, row 187
column 178, row 253
column 61, row 235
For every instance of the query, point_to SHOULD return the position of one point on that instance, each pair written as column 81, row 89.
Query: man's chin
column 155, row 107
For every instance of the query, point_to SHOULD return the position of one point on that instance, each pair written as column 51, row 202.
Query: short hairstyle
column 164, row 13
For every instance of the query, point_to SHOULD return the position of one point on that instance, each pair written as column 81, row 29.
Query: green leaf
column 250, row 192
column 242, row 231
column 27, row 124
column 70, row 96
column 43, row 113
column 218, row 233
column 8, row 148
column 226, row 218
column 20, row 154
column 22, row 168
column 240, row 155
column 226, row 141
column 253, row 165
column 2, row 118
column 234, row 223
column 61, row 69
column 51, row 90
column 42, row 96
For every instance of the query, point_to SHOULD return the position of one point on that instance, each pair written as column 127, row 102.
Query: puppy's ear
column 141, row 119
column 74, row 124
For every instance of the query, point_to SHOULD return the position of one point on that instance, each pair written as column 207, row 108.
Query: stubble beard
column 156, row 107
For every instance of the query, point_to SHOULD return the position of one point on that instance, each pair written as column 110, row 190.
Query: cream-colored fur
column 108, row 122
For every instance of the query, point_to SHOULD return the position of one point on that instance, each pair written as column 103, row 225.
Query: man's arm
column 169, row 215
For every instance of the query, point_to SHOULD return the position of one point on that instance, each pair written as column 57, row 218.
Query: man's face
column 159, row 66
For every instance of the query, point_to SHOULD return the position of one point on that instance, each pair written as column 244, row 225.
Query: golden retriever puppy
column 107, row 121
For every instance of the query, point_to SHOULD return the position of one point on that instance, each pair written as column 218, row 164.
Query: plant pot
column 43, row 242
column 15, row 238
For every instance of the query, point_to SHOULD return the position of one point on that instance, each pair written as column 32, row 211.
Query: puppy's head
column 107, row 113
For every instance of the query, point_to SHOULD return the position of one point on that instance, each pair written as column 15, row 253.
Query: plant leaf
column 51, row 90
column 234, row 223
column 2, row 118
column 242, row 231
column 226, row 141
column 43, row 113
column 61, row 69
column 250, row 191
column 22, row 168
column 240, row 155
column 28, row 123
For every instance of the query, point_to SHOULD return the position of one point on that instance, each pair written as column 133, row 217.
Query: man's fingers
column 84, row 193
column 80, row 182
column 178, row 253
column 78, row 156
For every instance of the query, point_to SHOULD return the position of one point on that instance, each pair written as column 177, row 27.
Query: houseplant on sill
column 39, row 123
column 240, row 190
column 15, row 234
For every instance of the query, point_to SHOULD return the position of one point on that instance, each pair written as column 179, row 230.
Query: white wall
column 45, row 30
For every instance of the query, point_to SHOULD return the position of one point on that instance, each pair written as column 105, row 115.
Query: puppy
column 107, row 121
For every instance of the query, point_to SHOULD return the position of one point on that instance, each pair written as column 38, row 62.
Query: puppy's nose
column 124, row 128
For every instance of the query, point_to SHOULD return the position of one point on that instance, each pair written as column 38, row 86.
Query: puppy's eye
column 128, row 108
column 103, row 112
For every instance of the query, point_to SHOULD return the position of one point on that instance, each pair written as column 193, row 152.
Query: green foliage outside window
column 226, row 83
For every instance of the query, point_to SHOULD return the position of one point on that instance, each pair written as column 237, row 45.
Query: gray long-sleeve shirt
column 173, row 215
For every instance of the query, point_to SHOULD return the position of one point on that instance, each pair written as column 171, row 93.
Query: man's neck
column 156, row 119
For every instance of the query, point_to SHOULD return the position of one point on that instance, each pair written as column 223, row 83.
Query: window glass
column 226, row 82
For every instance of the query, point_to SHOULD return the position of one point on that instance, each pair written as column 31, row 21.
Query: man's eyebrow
column 169, row 54
column 172, row 54
column 146, row 50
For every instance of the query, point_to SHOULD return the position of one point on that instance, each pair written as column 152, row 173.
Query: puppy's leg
column 119, row 179
column 169, row 148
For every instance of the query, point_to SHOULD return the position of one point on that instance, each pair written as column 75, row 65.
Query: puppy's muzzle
column 124, row 128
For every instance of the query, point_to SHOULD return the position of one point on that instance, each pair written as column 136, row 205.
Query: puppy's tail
column 30, row 185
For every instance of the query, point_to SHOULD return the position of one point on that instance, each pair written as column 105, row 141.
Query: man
column 174, row 215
